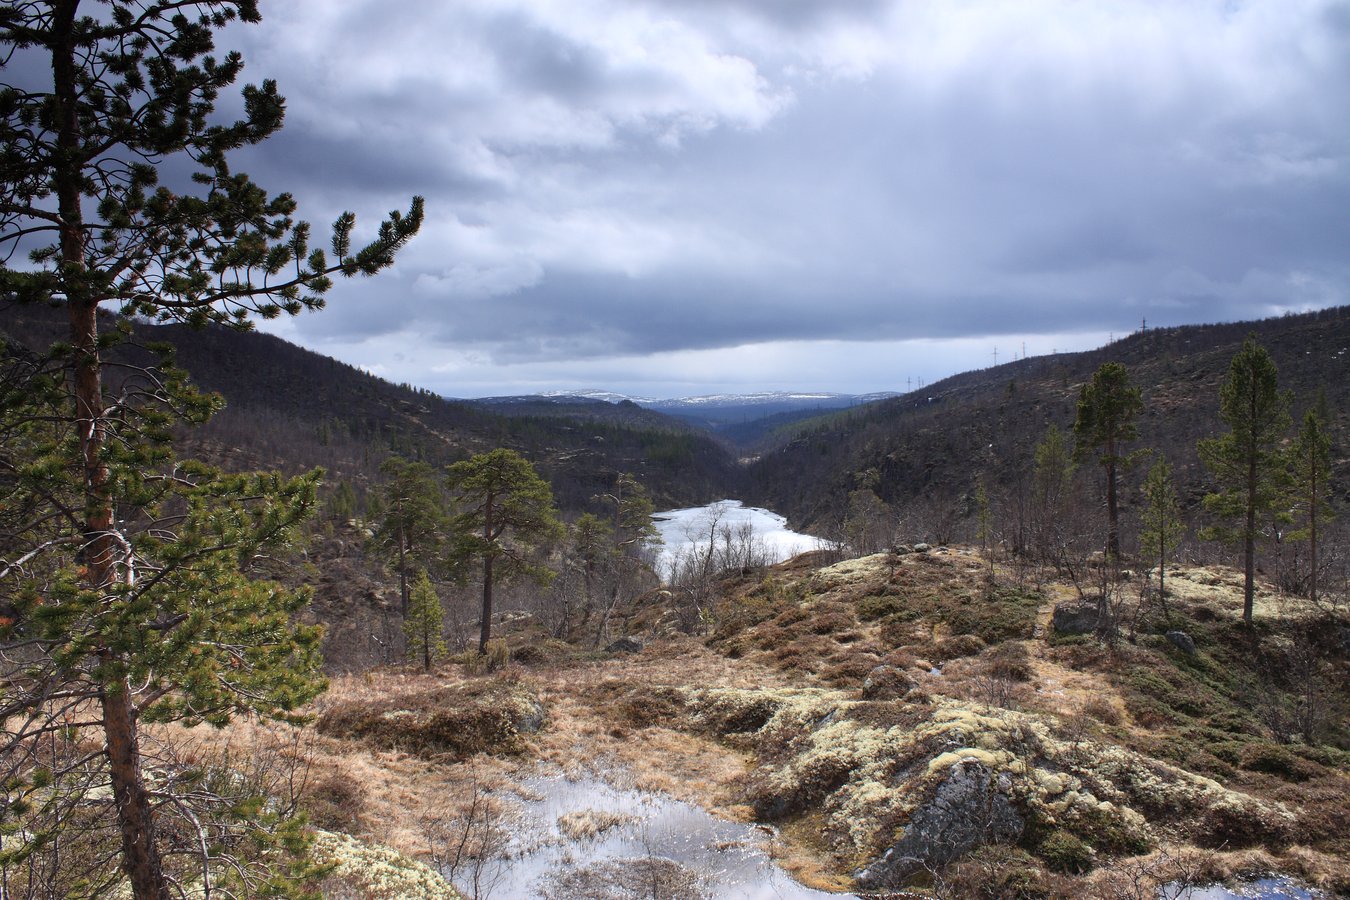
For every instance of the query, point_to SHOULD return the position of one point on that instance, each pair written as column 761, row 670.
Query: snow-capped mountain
column 784, row 399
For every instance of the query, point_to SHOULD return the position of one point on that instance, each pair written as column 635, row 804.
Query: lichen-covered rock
column 886, row 682
column 625, row 645
column 970, row 808
column 1182, row 641
column 1075, row 618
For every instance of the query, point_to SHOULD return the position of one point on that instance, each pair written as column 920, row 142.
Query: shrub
column 334, row 803
column 879, row 607
column 958, row 646
column 1065, row 852
column 998, row 872
column 1277, row 761
column 830, row 621
column 1010, row 661
column 850, row 669
column 1102, row 710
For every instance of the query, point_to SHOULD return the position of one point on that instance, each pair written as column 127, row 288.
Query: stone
column 886, row 683
column 625, row 645
column 1073, row 617
column 531, row 717
column 970, row 808
column 1182, row 641
column 922, row 547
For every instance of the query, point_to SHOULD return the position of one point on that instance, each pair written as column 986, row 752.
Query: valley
column 946, row 690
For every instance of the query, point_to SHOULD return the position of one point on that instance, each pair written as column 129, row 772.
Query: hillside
column 931, row 447
column 293, row 409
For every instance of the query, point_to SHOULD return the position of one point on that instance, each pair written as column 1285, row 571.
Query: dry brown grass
column 629, row 716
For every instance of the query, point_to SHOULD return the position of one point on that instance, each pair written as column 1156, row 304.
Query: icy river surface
column 588, row 836
column 686, row 531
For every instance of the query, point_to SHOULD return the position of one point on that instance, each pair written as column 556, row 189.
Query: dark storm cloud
column 609, row 179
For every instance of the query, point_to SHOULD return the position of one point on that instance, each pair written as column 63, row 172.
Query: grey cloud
column 621, row 208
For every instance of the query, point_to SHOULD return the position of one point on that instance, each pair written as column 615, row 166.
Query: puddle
column 1276, row 888
column 586, row 837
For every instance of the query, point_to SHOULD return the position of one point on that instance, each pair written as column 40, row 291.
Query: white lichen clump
column 379, row 872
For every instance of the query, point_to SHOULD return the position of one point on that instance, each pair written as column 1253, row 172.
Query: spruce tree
column 133, row 594
column 1161, row 525
column 1310, row 472
column 506, row 512
column 413, row 520
column 634, row 536
column 1107, row 407
column 1247, row 461
column 1051, row 492
column 423, row 623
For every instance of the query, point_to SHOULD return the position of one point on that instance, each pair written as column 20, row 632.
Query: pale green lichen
column 862, row 775
column 378, row 872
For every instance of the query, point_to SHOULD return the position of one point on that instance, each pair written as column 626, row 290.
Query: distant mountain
column 733, row 417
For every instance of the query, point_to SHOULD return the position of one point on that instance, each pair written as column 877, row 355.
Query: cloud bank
column 660, row 196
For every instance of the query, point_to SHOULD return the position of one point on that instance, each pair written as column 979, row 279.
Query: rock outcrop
column 970, row 808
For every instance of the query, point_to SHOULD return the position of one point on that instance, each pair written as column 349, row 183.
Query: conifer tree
column 1107, row 407
column 1051, row 491
column 633, row 534
column 423, row 624
column 1247, row 461
column 1310, row 472
column 1161, row 525
column 133, row 591
column 413, row 519
column 984, row 525
column 592, row 551
column 506, row 511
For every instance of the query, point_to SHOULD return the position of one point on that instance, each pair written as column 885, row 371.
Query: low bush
column 1064, row 852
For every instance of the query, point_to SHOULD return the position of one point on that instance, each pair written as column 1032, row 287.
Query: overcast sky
column 676, row 197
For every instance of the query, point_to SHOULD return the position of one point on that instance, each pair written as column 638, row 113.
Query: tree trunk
column 1112, row 510
column 485, row 629
column 403, row 591
column 1312, row 531
column 1249, row 542
column 140, row 856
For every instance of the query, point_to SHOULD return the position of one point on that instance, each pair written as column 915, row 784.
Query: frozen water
column 686, row 530
column 714, row 858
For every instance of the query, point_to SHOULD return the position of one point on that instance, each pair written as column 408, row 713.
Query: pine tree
column 1051, row 490
column 984, row 525
column 1161, row 525
column 1107, row 407
column 139, row 565
column 634, row 536
column 423, row 623
column 506, row 511
column 1246, row 461
column 413, row 520
column 1310, row 472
